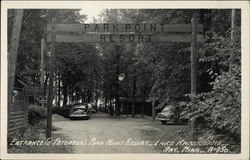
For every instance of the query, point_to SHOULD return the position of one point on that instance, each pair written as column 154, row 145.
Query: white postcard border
column 243, row 5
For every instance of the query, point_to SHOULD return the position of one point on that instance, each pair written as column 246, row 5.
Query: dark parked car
column 170, row 115
column 102, row 108
column 93, row 110
column 92, row 107
column 80, row 111
column 166, row 115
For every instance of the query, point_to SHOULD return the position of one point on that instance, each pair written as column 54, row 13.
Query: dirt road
column 105, row 134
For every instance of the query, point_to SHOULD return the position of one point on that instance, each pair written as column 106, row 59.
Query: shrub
column 36, row 113
column 220, row 108
column 34, row 133
column 63, row 111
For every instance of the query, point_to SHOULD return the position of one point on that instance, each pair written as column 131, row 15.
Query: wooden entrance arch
column 124, row 33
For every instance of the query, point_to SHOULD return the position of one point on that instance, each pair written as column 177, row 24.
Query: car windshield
column 79, row 110
column 166, row 109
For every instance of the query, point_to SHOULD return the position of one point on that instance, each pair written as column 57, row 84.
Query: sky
column 92, row 12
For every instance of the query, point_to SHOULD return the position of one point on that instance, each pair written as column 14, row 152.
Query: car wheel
column 178, row 121
column 172, row 120
column 164, row 122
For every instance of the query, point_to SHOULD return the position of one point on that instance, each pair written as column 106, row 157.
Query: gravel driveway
column 105, row 134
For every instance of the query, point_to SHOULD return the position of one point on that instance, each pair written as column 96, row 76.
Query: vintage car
column 93, row 110
column 167, row 115
column 92, row 107
column 80, row 111
column 102, row 108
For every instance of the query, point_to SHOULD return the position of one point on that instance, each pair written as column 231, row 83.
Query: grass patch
column 34, row 133
column 166, row 133
column 177, row 133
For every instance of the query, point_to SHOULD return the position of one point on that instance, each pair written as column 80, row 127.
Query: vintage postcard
column 125, row 80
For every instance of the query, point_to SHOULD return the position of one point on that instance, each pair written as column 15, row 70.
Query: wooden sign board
column 123, row 38
column 44, row 101
column 124, row 28
column 33, row 91
column 122, row 33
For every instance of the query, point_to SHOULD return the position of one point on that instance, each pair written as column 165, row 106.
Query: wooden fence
column 17, row 120
column 17, row 117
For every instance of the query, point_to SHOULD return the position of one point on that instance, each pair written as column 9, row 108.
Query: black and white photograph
column 102, row 80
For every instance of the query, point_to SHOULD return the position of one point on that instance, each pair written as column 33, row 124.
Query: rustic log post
column 51, row 77
column 193, row 69
column 42, row 71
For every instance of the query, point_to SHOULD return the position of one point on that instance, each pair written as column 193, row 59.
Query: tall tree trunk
column 12, row 55
column 134, row 91
column 46, row 82
column 111, row 107
column 233, row 20
column 105, row 101
column 59, row 88
column 117, row 93
column 64, row 95
column 144, row 95
column 55, row 93
column 84, row 95
column 89, row 96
